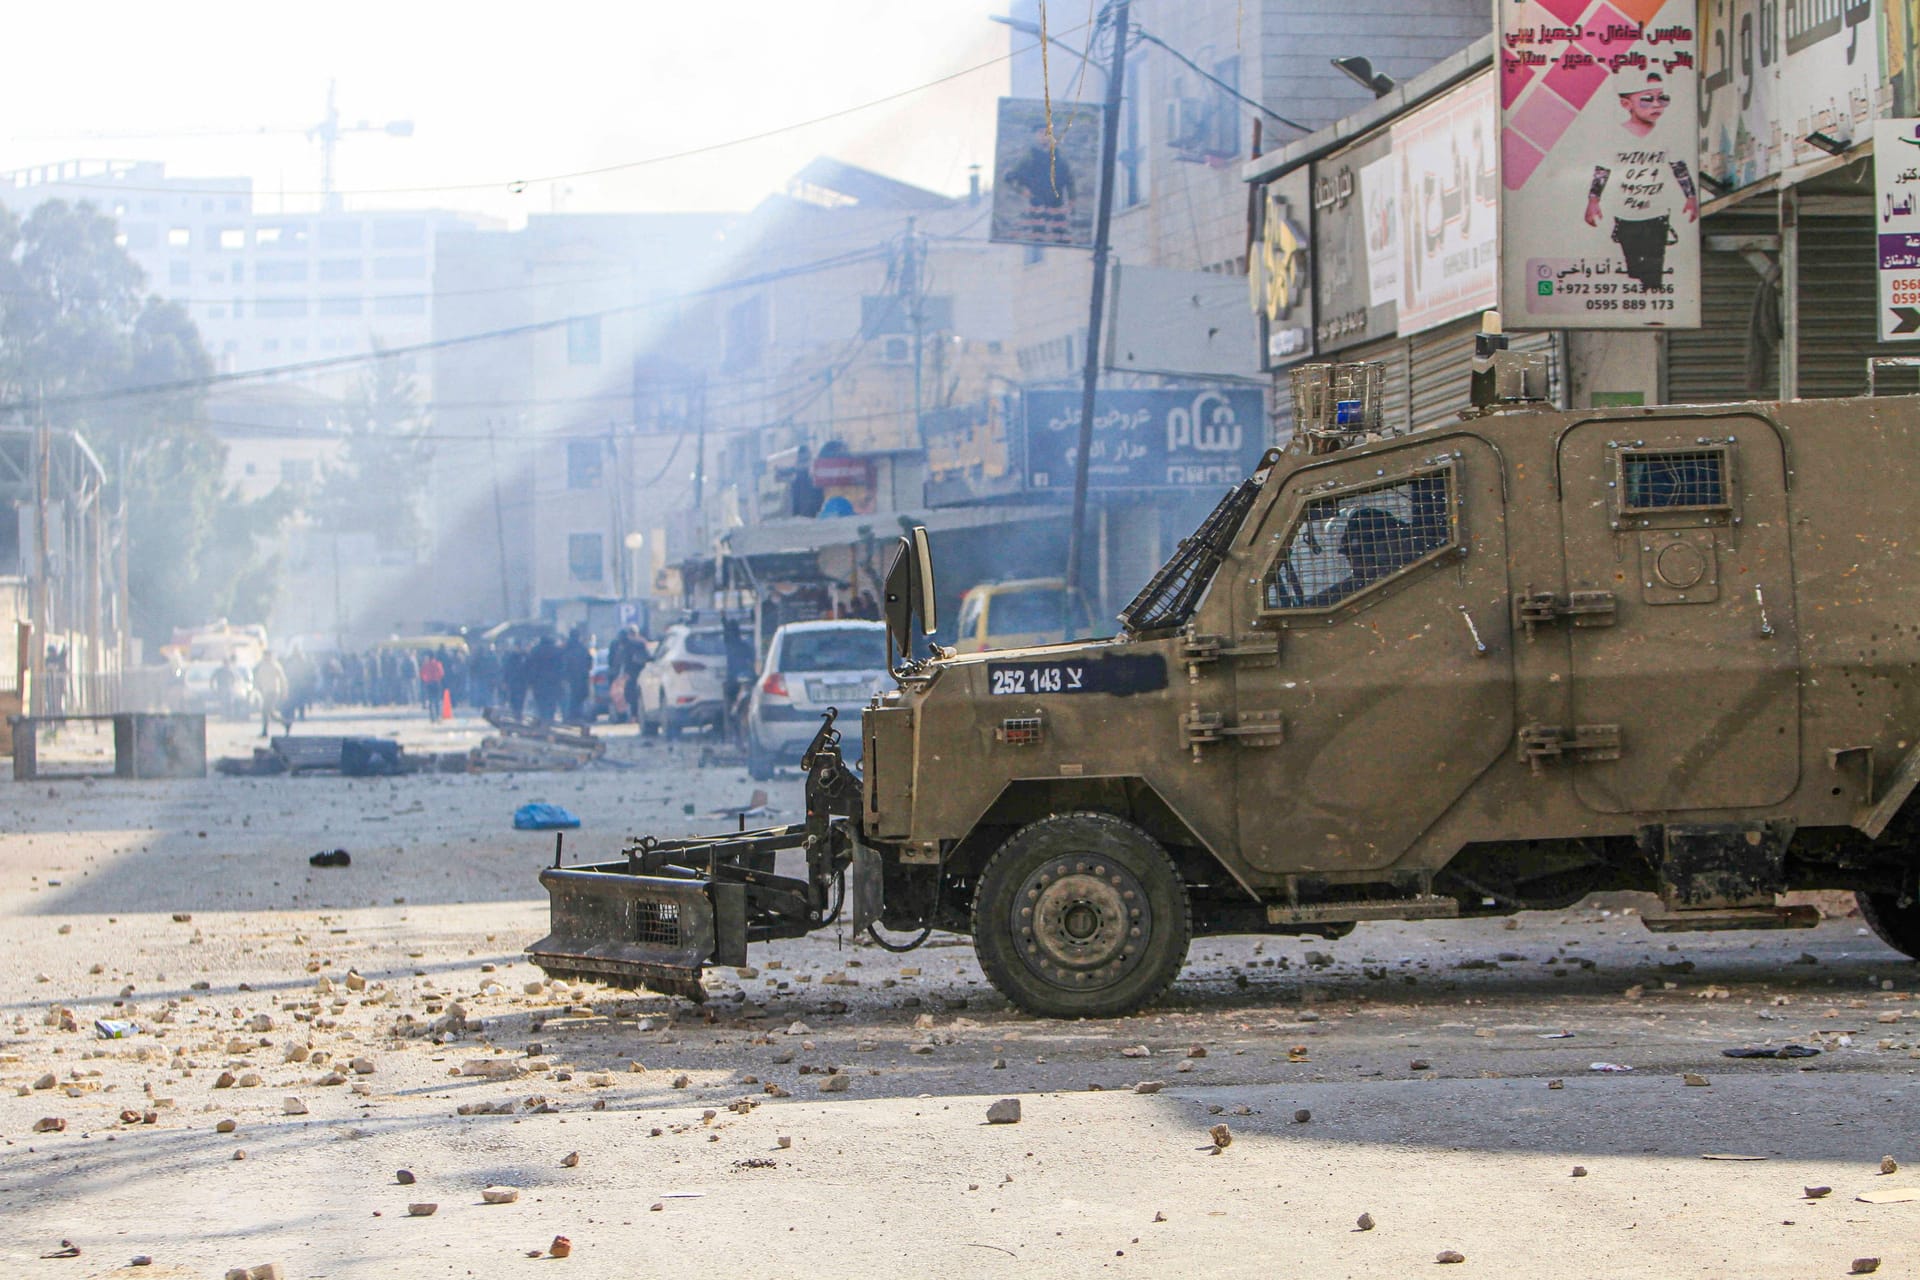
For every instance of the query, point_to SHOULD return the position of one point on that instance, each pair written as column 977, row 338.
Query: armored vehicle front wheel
column 1898, row 926
column 1081, row 915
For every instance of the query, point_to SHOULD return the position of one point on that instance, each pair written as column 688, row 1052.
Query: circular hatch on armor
column 1680, row 565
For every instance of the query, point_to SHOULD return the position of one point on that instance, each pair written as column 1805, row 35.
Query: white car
column 812, row 666
column 685, row 684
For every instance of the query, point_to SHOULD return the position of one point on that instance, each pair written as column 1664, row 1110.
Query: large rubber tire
column 1898, row 926
column 759, row 760
column 1081, row 915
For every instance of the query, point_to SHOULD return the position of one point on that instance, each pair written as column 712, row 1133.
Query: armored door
column 1684, row 689
column 1382, row 581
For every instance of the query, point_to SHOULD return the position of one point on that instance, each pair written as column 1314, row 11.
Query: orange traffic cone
column 446, row 704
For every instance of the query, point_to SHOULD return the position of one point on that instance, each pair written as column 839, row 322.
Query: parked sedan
column 812, row 666
column 685, row 683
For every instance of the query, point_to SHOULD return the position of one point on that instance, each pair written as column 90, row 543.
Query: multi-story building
column 263, row 288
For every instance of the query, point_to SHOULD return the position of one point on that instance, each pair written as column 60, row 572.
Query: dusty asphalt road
column 1427, row 1083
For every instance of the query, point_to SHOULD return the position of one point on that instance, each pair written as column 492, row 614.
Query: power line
column 389, row 353
column 518, row 185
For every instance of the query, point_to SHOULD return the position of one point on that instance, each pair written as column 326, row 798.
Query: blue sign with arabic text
column 1192, row 438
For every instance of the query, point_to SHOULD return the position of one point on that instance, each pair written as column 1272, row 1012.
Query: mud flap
column 632, row 931
column 869, row 890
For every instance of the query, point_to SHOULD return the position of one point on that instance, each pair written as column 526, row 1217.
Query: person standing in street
column 576, row 662
column 270, row 680
column 546, row 679
column 433, row 675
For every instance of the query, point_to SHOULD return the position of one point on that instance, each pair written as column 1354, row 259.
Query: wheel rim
column 1081, row 922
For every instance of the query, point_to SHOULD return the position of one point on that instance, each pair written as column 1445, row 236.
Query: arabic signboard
column 1449, row 204
column 1896, row 224
column 1046, row 172
column 1775, row 72
column 1283, row 279
column 1600, row 220
column 1165, row 439
column 1356, row 245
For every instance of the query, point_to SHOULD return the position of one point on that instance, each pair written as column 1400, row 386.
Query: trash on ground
column 1609, row 1068
column 539, row 816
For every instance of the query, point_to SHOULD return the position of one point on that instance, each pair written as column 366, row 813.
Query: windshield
column 836, row 649
column 707, row 644
column 1025, row 611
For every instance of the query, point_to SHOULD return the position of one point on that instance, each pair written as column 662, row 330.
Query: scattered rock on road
column 1222, row 1137
column 1889, row 1165
column 422, row 1209
column 500, row 1195
column 1364, row 1222
column 1005, row 1111
column 1816, row 1193
column 1450, row 1255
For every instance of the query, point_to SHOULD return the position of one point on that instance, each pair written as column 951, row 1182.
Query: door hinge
column 1582, row 743
column 1253, row 729
column 1196, row 649
column 1580, row 608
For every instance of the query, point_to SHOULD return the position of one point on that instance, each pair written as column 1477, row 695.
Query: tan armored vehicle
column 1478, row 669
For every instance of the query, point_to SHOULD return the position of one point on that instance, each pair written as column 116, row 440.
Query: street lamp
column 1026, row 28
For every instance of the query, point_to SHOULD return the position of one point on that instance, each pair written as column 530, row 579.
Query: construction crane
column 328, row 133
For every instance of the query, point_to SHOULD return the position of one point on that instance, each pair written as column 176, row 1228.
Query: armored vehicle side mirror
column 909, row 593
column 924, row 606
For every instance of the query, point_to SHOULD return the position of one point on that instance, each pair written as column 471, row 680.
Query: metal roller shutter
column 1839, row 307
column 1708, row 365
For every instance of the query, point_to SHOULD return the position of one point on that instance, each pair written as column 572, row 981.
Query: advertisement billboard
column 1284, row 276
column 1449, row 206
column 1776, row 72
column 1896, row 224
column 1356, row 276
column 1187, row 438
column 971, row 454
column 1600, row 221
column 1046, row 173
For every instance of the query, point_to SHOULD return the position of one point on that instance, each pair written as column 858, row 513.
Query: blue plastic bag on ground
column 543, row 817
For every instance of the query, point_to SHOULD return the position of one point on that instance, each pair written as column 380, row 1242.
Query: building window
column 401, row 304
column 285, row 235
column 179, row 238
column 284, row 271
column 413, row 268
column 179, row 273
column 583, row 340
column 399, row 233
column 239, row 309
column 1226, row 110
column 280, row 308
column 584, row 464
column 142, row 236
column 232, row 238
column 746, row 334
column 339, row 306
column 341, row 269
column 339, row 235
column 239, row 272
column 584, row 557
column 296, row 471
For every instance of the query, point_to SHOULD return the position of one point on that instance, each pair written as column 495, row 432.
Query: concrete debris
column 1695, row 1080
column 491, row 1068
column 500, row 1195
column 50, row 1124
column 1136, row 1051
column 1005, row 1111
column 1222, row 1137
column 293, row 1107
column 1150, row 1086
column 835, row 1083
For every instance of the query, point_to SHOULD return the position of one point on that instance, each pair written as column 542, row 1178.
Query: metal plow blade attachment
column 627, row 931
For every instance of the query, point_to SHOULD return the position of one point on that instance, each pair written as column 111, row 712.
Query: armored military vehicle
column 1482, row 668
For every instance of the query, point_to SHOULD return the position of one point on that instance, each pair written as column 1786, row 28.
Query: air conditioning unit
column 1189, row 123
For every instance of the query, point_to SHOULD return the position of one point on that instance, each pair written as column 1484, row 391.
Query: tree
column 76, row 324
column 377, row 485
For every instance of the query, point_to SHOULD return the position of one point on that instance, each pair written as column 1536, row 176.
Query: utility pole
column 916, row 311
column 43, row 562
column 122, row 583
column 1090, row 379
column 499, row 523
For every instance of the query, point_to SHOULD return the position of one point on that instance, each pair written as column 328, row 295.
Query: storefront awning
column 786, row 536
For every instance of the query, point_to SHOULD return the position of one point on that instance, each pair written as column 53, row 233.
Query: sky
column 499, row 96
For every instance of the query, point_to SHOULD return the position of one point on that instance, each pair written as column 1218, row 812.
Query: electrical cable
column 518, row 186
